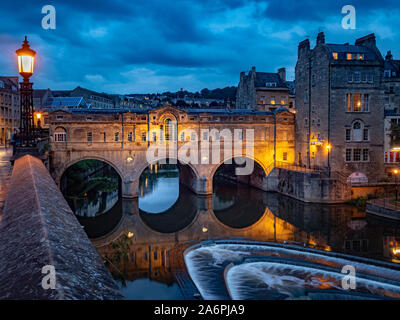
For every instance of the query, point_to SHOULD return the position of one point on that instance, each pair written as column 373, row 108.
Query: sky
column 164, row 45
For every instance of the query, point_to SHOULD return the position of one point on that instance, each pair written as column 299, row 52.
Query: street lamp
column 328, row 148
column 396, row 172
column 26, row 62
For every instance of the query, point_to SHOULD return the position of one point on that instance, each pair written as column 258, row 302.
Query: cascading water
column 307, row 270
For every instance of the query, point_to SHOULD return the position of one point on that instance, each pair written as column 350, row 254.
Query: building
column 264, row 91
column 95, row 100
column 9, row 108
column 340, row 108
column 41, row 97
column 391, row 81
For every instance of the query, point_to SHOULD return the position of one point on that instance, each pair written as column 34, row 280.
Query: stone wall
column 310, row 187
column 37, row 229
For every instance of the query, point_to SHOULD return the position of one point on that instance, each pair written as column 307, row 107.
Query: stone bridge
column 209, row 137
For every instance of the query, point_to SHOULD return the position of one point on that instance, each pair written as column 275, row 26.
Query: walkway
column 5, row 175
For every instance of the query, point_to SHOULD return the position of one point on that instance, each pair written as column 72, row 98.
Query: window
column 387, row 73
column 357, row 102
column 116, row 136
column 356, row 155
column 366, row 135
column 306, row 96
column 335, row 55
column 130, row 136
column 370, row 78
column 262, row 100
column 387, row 100
column 364, row 77
column 104, row 137
column 350, row 77
column 348, row 56
column 193, row 136
column 144, row 134
column 168, row 130
column 357, row 76
column 182, row 136
column 348, row 155
column 60, row 117
column 348, row 134
column 306, row 122
column 240, row 136
column 154, row 136
column 365, row 155
column 205, row 136
column 89, row 137
column 357, row 131
column 60, row 135
column 272, row 100
column 284, row 156
column 283, row 102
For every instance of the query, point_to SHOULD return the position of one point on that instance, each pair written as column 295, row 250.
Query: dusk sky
column 164, row 45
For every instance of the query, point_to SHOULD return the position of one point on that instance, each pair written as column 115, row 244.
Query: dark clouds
column 157, row 45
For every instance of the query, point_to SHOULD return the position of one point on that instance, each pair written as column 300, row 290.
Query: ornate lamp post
column 26, row 61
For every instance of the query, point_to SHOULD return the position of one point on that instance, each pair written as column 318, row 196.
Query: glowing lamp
column 26, row 59
column 328, row 147
column 38, row 115
column 396, row 171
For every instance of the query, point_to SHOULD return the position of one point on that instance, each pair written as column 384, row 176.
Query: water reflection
column 144, row 250
column 91, row 188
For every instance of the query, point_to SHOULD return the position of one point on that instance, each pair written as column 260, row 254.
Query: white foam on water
column 288, row 280
column 206, row 266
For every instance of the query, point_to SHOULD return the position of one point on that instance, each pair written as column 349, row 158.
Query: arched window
column 168, row 130
column 357, row 131
column 60, row 135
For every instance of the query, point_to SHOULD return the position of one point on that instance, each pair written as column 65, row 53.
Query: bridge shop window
column 116, row 136
column 89, row 137
column 60, row 135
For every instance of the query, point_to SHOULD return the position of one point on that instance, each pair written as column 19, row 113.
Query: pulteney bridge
column 122, row 139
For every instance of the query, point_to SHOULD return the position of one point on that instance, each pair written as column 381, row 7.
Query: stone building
column 264, row 91
column 391, row 80
column 340, row 108
column 9, row 108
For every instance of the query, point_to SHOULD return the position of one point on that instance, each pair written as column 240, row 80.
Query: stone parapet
column 39, row 229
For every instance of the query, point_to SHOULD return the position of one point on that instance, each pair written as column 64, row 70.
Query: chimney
column 320, row 38
column 389, row 55
column 282, row 74
column 367, row 41
column 253, row 69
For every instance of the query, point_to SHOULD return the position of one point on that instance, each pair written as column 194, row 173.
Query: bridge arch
column 65, row 167
column 258, row 177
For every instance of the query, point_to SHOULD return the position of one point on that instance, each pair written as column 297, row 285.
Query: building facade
column 263, row 91
column 9, row 108
column 340, row 108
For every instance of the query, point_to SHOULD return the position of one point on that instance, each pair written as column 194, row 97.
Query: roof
column 40, row 93
column 189, row 111
column 9, row 84
column 348, row 48
column 70, row 102
column 268, row 77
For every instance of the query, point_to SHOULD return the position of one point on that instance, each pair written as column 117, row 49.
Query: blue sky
column 164, row 45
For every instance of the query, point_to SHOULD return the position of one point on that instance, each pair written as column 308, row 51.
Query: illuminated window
column 357, row 102
column 349, row 102
column 272, row 100
column 335, row 55
column 144, row 136
column 284, row 156
column 283, row 102
column 348, row 56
